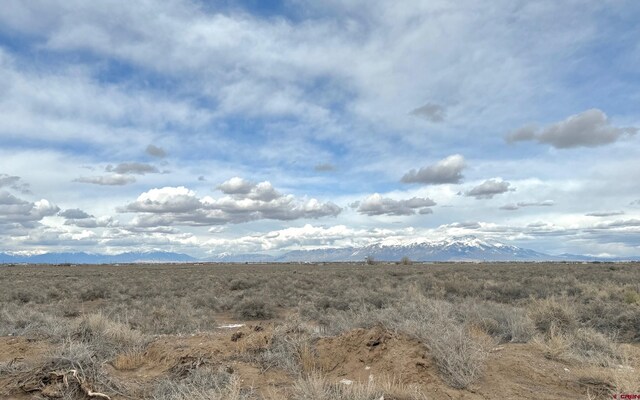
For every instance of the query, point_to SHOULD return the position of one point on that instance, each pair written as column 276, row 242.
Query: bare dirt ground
column 311, row 348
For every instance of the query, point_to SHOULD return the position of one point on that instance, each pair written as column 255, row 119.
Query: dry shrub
column 107, row 337
column 503, row 322
column 459, row 353
column 202, row 384
column 551, row 312
column 253, row 309
column 583, row 345
column 556, row 345
column 631, row 296
column 317, row 387
column 79, row 364
column 290, row 350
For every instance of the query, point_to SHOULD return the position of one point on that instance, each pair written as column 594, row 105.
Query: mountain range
column 465, row 248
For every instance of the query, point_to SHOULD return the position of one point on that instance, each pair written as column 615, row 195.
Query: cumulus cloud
column 181, row 206
column 107, row 180
column 324, row 167
column 590, row 128
column 14, row 210
column 155, row 151
column 307, row 236
column 240, row 188
column 448, row 170
column 431, row 112
column 488, row 189
column 378, row 205
column 517, row 206
column 235, row 185
column 604, row 213
column 132, row 168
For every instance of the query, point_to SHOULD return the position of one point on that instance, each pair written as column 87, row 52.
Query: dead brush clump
column 291, row 350
column 459, row 348
column 253, row 309
column 583, row 345
column 71, row 371
column 107, row 337
column 460, row 353
column 553, row 312
column 503, row 322
column 317, row 387
column 203, row 384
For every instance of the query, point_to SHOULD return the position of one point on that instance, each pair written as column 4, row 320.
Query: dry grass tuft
column 583, row 345
column 203, row 384
column 317, row 387
column 128, row 361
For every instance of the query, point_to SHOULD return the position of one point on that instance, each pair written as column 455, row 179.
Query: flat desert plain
column 320, row 331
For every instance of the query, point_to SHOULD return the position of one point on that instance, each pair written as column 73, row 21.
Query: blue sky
column 266, row 126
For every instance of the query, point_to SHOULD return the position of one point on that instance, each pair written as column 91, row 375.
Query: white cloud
column 236, row 185
column 307, row 236
column 181, row 206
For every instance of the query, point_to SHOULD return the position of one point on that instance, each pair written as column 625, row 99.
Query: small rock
column 346, row 381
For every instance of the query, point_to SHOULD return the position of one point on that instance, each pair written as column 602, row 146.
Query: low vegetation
column 100, row 321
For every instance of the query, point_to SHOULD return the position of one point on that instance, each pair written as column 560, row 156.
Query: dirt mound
column 364, row 354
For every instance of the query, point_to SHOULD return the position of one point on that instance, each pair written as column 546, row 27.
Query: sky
column 209, row 127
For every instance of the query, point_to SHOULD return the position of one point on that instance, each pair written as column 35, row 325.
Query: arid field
column 338, row 331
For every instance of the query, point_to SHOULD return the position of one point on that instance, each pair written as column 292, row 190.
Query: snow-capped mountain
column 465, row 248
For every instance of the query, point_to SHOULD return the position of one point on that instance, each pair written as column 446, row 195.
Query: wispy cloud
column 132, row 168
column 107, row 180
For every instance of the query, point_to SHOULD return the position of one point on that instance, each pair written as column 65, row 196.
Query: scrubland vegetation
column 153, row 331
